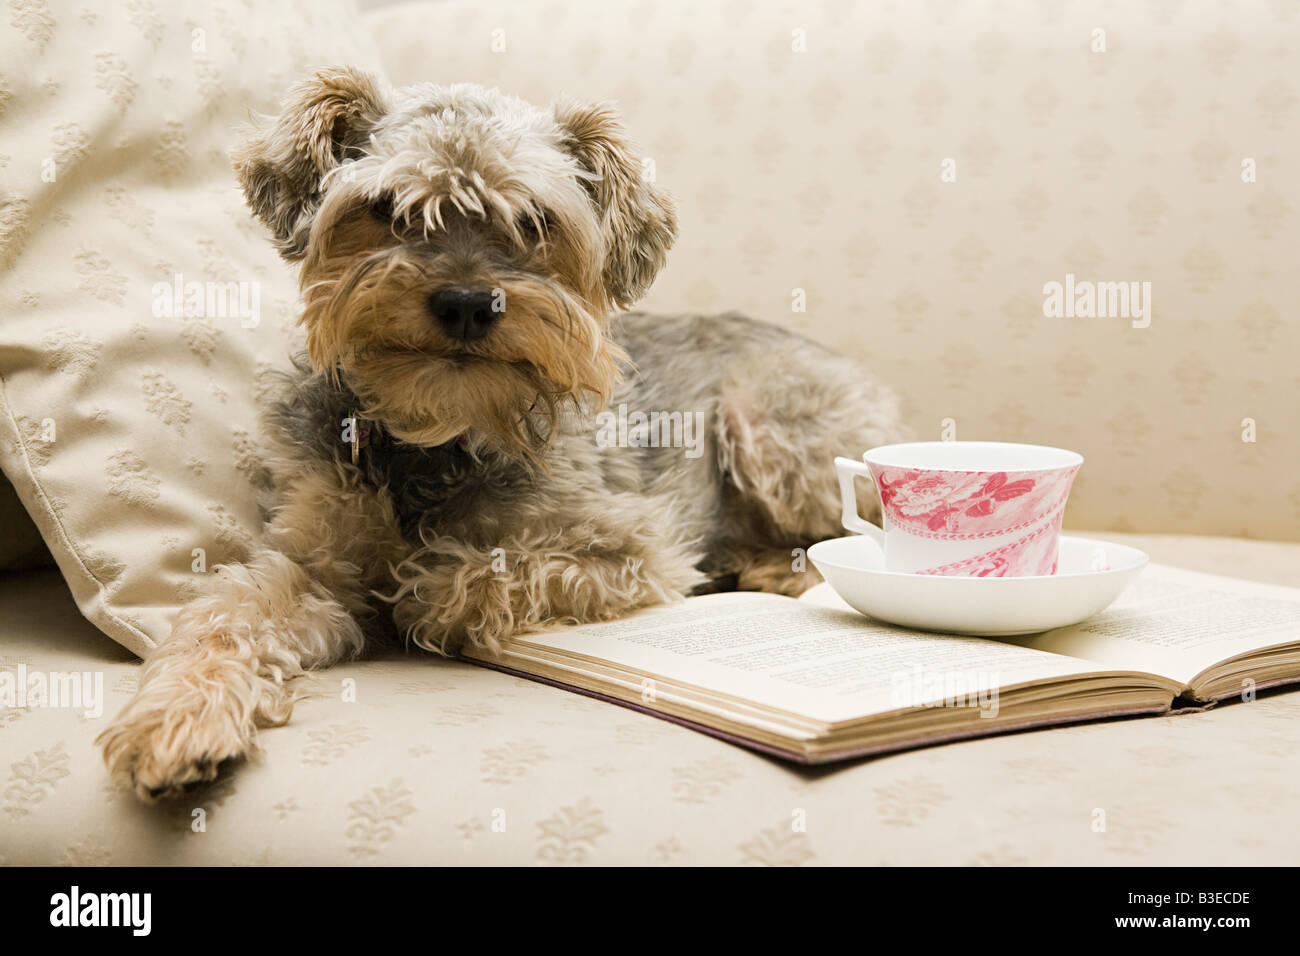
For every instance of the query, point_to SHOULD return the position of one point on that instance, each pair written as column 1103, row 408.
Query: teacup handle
column 848, row 469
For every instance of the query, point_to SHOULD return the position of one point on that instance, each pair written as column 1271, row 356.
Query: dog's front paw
column 446, row 607
column 466, row 599
column 166, row 751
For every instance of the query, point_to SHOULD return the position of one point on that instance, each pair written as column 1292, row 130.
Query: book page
column 811, row 661
column 1178, row 623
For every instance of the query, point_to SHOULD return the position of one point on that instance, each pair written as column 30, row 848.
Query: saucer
column 1091, row 574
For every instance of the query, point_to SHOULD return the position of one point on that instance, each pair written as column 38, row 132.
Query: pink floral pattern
column 960, row 505
column 973, row 505
column 1033, row 554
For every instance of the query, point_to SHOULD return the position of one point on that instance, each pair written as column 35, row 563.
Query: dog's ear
column 280, row 167
column 638, row 217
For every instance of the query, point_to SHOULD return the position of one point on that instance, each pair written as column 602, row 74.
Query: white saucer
column 854, row 567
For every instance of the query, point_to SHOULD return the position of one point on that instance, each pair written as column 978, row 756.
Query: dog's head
column 461, row 250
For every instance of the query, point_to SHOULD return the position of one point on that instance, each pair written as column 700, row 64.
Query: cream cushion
column 129, row 436
column 822, row 173
column 439, row 761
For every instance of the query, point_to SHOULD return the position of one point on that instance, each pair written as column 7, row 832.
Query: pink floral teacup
column 964, row 508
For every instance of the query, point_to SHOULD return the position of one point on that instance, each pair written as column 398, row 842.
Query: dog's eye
column 528, row 225
column 382, row 208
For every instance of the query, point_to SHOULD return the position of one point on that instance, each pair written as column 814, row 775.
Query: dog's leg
column 226, row 669
column 234, row 652
column 779, row 570
column 577, row 568
column 777, row 443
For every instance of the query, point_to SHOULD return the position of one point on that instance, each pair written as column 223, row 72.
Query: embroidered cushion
column 140, row 306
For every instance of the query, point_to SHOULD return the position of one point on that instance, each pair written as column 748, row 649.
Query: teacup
column 964, row 508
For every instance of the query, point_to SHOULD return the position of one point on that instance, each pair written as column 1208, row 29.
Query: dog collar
column 366, row 432
column 362, row 430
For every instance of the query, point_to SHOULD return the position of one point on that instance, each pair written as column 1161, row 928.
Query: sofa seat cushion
column 444, row 762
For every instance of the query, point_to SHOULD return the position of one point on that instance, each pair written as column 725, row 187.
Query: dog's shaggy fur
column 482, row 503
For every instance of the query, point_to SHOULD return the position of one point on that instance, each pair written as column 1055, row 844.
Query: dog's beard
column 547, row 355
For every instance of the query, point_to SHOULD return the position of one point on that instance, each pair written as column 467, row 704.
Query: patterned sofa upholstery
column 444, row 762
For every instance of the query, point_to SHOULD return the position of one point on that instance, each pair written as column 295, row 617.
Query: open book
column 812, row 681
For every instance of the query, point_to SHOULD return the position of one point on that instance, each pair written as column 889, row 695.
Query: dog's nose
column 464, row 315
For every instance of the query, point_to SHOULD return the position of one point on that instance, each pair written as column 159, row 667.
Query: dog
column 438, row 467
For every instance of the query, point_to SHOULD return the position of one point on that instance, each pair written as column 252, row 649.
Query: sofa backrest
column 903, row 182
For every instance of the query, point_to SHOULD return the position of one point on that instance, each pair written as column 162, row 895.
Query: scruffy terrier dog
column 462, row 253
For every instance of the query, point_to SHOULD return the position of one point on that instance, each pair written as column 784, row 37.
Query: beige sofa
column 807, row 150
